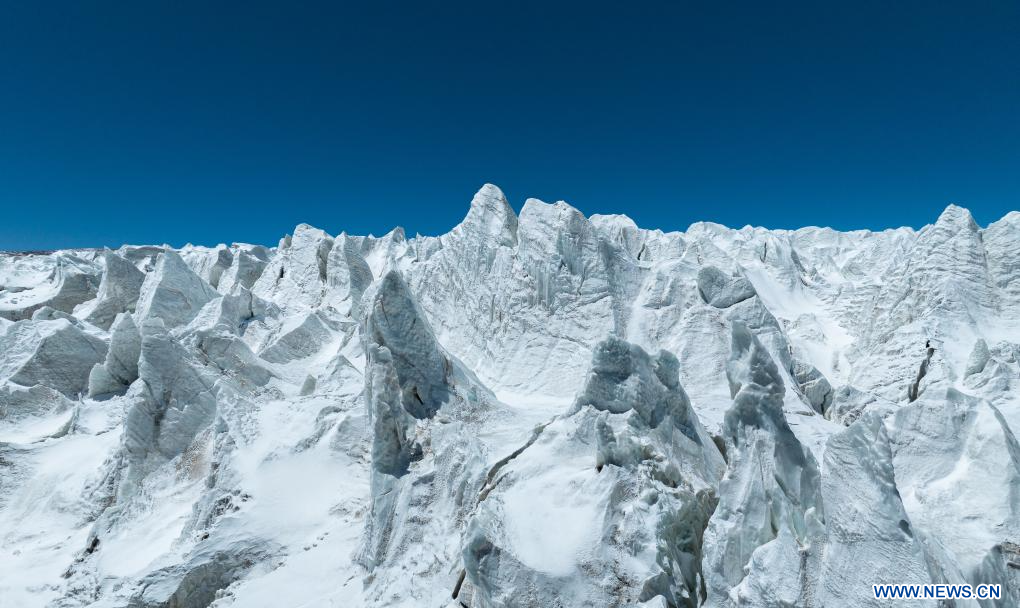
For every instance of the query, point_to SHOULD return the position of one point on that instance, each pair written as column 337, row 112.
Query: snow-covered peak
column 1012, row 219
column 490, row 217
column 954, row 216
column 616, row 221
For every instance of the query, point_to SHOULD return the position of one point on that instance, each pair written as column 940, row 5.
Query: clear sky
column 152, row 122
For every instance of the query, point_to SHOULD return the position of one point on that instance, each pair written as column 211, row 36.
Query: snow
column 549, row 530
column 531, row 410
column 157, row 520
column 41, row 525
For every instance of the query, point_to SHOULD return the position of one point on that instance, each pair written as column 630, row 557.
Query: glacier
column 539, row 409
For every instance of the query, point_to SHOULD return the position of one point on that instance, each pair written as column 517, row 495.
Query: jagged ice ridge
column 542, row 409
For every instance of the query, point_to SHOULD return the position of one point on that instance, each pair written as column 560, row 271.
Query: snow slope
column 535, row 409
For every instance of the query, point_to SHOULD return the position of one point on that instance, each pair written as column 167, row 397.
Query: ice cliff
column 536, row 409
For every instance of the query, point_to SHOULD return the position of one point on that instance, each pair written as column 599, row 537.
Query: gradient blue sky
column 151, row 122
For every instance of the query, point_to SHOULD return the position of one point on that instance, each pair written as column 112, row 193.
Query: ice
column 118, row 292
column 533, row 409
column 172, row 292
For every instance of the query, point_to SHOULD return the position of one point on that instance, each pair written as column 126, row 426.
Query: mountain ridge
column 475, row 419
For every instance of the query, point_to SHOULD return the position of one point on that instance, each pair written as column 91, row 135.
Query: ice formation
column 533, row 410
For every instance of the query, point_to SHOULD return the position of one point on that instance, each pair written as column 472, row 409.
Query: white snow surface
column 532, row 410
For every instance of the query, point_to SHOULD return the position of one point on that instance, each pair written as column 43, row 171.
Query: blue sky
column 213, row 122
